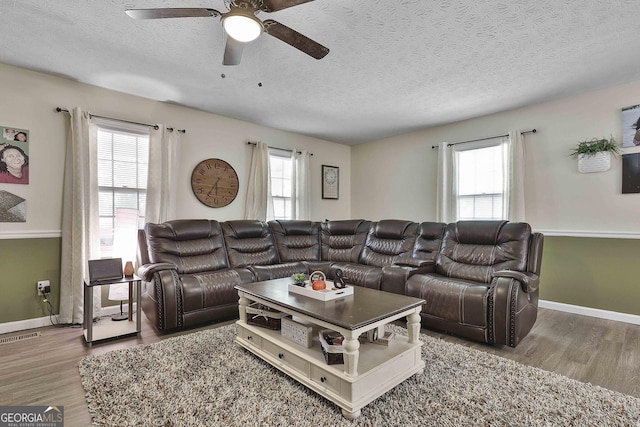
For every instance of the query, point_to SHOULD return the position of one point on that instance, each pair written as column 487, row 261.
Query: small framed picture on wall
column 330, row 182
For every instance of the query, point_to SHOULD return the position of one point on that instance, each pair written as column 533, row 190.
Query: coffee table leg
column 351, row 415
column 413, row 326
column 351, row 354
column 242, row 307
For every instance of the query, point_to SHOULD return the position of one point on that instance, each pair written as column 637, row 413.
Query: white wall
column 28, row 102
column 395, row 177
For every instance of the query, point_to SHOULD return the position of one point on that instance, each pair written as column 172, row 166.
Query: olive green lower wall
column 23, row 262
column 589, row 272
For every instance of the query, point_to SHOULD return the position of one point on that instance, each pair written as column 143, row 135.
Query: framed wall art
column 14, row 155
column 631, row 173
column 631, row 126
column 330, row 182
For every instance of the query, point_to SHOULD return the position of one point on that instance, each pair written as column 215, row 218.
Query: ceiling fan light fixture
column 242, row 26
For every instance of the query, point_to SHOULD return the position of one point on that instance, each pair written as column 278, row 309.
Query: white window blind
column 281, row 170
column 480, row 181
column 122, row 178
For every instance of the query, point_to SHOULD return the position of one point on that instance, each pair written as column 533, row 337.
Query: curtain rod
column 277, row 148
column 483, row 139
column 156, row 127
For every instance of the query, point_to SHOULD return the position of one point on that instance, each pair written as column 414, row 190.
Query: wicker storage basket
column 266, row 317
column 333, row 353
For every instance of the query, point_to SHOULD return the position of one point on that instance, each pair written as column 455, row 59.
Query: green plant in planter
column 595, row 146
column 299, row 278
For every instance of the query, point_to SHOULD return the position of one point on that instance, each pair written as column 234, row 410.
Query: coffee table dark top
column 364, row 307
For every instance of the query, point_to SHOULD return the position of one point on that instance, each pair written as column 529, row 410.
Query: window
column 281, row 171
column 480, row 182
column 123, row 158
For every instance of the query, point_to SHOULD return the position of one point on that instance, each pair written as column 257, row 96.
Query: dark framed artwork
column 631, row 126
column 631, row 173
column 330, row 182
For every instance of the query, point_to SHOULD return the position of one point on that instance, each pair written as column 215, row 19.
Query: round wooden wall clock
column 214, row 182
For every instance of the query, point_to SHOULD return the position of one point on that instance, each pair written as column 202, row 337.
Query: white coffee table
column 369, row 370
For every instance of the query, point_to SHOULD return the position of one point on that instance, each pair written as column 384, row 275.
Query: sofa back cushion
column 473, row 250
column 296, row 240
column 193, row 245
column 388, row 240
column 428, row 240
column 342, row 241
column 249, row 242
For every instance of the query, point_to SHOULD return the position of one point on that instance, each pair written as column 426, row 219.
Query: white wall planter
column 599, row 162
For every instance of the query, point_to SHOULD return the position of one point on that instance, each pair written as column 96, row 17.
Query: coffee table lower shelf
column 380, row 368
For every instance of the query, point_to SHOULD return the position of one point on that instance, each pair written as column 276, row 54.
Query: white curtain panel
column 163, row 175
column 256, row 204
column 514, row 165
column 446, row 202
column 80, row 228
column 302, row 185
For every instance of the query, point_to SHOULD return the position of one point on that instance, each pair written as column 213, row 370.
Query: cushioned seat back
column 473, row 250
column 428, row 240
column 249, row 242
column 388, row 240
column 296, row 240
column 192, row 245
column 342, row 241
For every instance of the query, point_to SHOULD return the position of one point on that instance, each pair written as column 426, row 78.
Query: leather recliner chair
column 250, row 244
column 388, row 242
column 485, row 283
column 186, row 277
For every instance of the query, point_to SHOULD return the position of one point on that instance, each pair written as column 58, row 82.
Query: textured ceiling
column 394, row 66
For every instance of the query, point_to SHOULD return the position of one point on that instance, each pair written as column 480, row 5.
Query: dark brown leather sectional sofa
column 479, row 278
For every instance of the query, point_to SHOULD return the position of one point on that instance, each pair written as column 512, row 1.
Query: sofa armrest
column 528, row 281
column 394, row 277
column 145, row 272
column 414, row 262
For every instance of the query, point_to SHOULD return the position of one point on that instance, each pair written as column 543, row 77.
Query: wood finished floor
column 44, row 371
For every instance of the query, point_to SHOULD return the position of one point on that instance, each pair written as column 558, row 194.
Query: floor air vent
column 19, row 337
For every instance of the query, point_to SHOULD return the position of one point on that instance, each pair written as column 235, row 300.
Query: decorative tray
column 323, row 295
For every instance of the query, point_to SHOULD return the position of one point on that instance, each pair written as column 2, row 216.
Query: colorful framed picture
column 330, row 182
column 14, row 155
column 631, row 126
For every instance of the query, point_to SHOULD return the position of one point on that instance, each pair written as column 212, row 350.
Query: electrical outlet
column 43, row 287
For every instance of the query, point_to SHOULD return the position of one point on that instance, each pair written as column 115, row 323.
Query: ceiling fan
column 242, row 26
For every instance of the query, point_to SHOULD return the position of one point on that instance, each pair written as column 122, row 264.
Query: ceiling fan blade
column 295, row 39
column 179, row 12
column 275, row 5
column 232, row 51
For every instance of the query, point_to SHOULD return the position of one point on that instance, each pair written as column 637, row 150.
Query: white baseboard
column 40, row 322
column 593, row 312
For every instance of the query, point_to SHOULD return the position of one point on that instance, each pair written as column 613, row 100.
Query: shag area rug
column 205, row 379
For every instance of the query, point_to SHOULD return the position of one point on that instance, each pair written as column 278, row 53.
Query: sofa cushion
column 454, row 300
column 388, row 240
column 342, row 241
column 192, row 245
column 205, row 290
column 474, row 250
column 357, row 274
column 428, row 240
column 249, row 242
column 296, row 240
